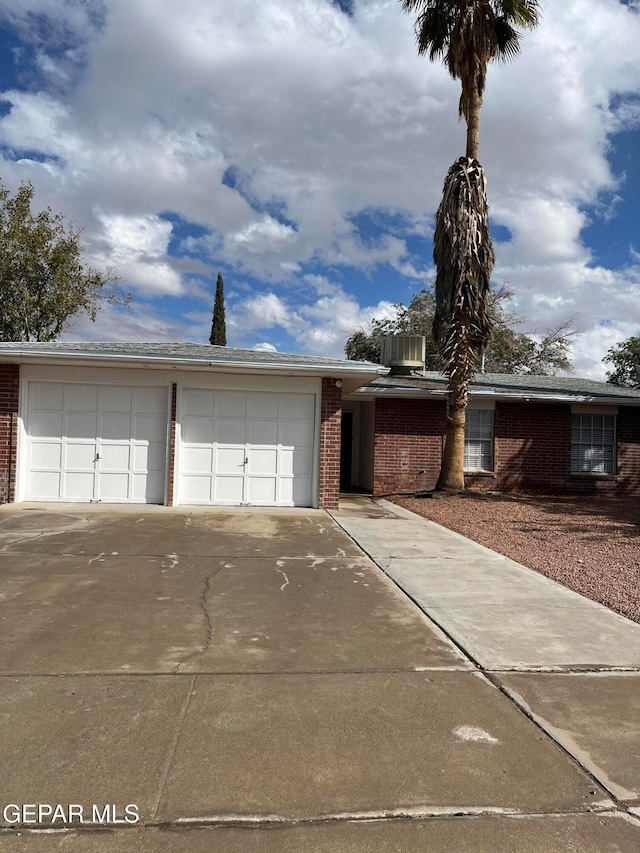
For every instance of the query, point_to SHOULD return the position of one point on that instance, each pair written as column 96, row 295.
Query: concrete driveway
column 246, row 680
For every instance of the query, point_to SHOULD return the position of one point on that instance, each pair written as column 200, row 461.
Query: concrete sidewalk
column 252, row 681
column 570, row 664
column 502, row 614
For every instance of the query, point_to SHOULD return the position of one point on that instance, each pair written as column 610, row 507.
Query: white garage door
column 246, row 448
column 96, row 443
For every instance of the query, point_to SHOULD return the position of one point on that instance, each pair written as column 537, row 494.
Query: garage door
column 96, row 443
column 246, row 448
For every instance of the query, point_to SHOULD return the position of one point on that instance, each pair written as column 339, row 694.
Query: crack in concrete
column 173, row 746
column 208, row 623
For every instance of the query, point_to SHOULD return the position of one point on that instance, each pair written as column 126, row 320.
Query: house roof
column 502, row 386
column 196, row 353
column 189, row 356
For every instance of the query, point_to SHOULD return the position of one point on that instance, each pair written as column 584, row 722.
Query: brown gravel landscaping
column 590, row 544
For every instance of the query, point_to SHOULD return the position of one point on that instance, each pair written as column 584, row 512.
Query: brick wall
column 628, row 451
column 408, row 445
column 9, row 390
column 172, row 445
column 532, row 445
column 532, row 449
column 330, row 423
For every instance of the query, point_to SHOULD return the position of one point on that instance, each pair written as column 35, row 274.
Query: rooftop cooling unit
column 403, row 353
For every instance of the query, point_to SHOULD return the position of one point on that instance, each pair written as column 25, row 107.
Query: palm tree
column 467, row 35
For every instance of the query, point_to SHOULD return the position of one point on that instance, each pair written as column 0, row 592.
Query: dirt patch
column 589, row 544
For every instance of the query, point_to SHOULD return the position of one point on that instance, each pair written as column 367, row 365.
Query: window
column 593, row 442
column 478, row 440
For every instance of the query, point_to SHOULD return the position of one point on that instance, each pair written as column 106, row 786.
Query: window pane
column 593, row 444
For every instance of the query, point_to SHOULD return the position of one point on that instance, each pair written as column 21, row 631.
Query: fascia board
column 224, row 366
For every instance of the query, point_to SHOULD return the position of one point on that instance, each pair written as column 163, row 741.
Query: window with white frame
column 593, row 444
column 478, row 440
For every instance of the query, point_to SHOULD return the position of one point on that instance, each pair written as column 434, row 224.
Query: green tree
column 218, row 336
column 43, row 282
column 508, row 350
column 625, row 358
column 467, row 35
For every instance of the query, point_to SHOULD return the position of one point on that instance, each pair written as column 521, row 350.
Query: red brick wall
column 408, row 445
column 532, row 445
column 172, row 445
column 628, row 451
column 330, row 423
column 9, row 390
column 532, row 449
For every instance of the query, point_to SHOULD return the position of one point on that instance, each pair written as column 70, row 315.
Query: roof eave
column 359, row 370
column 517, row 397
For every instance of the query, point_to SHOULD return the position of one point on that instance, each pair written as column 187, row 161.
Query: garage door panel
column 231, row 432
column 300, row 490
column 79, row 456
column 262, row 461
column 46, row 454
column 115, row 426
column 296, row 462
column 92, row 439
column 229, row 460
column 149, row 457
column 261, row 432
column 149, row 428
column 262, row 442
column 198, row 459
column 150, row 401
column 81, row 398
column 45, row 485
column 262, row 490
column 296, row 407
column 114, row 486
column 196, row 489
column 198, row 403
column 149, row 488
column 295, row 434
column 81, row 425
column 262, row 405
column 78, row 485
column 45, row 396
column 116, row 457
column 116, row 399
column 46, row 424
column 230, row 404
column 197, row 430
column 228, row 489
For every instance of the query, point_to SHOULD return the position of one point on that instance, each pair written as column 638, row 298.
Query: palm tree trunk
column 463, row 255
column 451, row 477
column 473, row 124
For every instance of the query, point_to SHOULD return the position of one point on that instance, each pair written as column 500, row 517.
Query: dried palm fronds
column 464, row 258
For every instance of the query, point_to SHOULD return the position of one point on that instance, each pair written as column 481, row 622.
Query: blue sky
column 299, row 147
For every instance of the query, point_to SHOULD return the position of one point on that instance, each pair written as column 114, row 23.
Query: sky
column 299, row 147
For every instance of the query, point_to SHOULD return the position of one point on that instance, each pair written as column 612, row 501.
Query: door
column 90, row 443
column 247, row 447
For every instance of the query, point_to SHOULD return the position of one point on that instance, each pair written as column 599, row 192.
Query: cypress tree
column 218, row 335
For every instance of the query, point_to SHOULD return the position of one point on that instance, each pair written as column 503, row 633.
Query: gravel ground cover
column 588, row 543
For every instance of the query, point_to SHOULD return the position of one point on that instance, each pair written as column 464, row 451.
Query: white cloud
column 137, row 246
column 324, row 116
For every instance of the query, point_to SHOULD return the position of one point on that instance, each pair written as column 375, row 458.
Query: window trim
column 601, row 412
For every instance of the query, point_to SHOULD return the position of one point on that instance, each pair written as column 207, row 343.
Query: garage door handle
column 97, row 459
column 246, row 460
